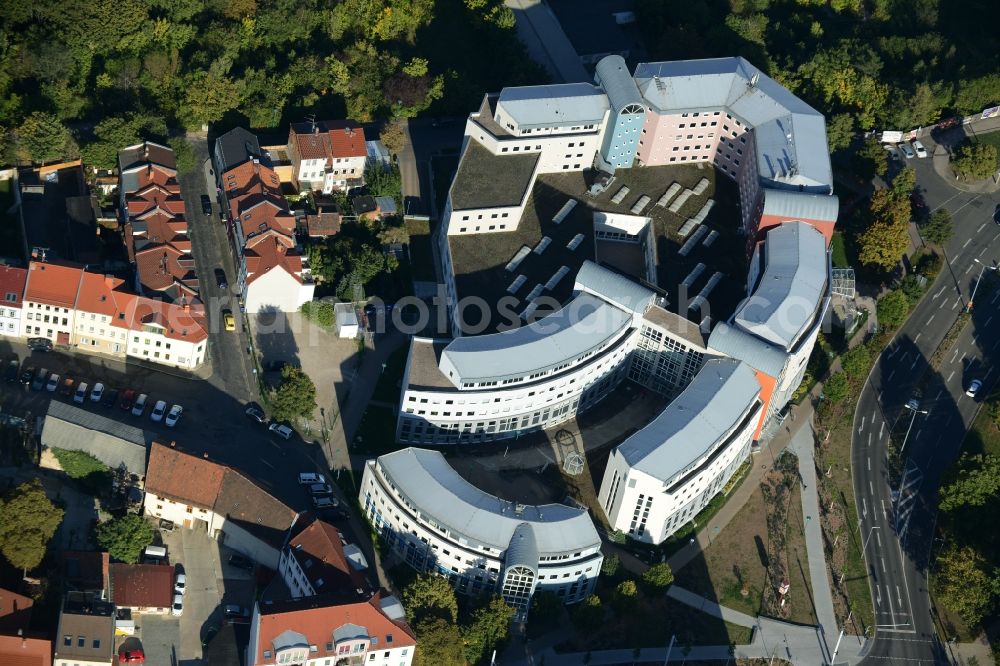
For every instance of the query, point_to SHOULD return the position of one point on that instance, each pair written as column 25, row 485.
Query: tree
column 42, row 138
column 836, row 388
column 883, row 245
column 856, row 362
column 430, row 596
column 890, row 206
column 28, row 520
column 937, row 228
column 904, row 182
column 975, row 161
column 116, row 132
column 393, row 137
column 207, row 97
column 872, row 159
column 183, row 153
column 295, row 396
column 546, row 609
column 125, row 538
column 488, row 628
column 626, row 594
column 384, row 183
column 440, row 643
column 658, row 577
column 976, row 482
column 963, row 584
column 839, row 131
column 588, row 615
column 892, row 309
column 610, row 566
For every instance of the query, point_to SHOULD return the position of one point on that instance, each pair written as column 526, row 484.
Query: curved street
column 897, row 511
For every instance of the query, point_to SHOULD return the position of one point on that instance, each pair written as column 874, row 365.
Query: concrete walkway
column 803, row 443
column 689, row 598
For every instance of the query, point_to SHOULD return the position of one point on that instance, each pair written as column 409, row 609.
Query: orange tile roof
column 269, row 253
column 161, row 266
column 177, row 321
column 15, row 611
column 346, row 140
column 53, row 283
column 142, row 585
column 320, row 555
column 98, row 293
column 173, row 474
column 12, row 283
column 330, row 139
column 316, row 618
column 18, row 651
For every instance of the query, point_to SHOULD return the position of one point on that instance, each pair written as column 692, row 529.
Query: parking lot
column 211, row 584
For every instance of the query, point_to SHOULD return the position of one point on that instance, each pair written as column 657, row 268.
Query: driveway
column 424, row 139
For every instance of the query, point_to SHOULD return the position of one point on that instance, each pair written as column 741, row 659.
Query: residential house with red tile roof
column 96, row 313
column 24, row 651
column 318, row 629
column 12, row 281
column 314, row 563
column 15, row 611
column 272, row 272
column 142, row 588
column 327, row 156
column 197, row 493
column 155, row 228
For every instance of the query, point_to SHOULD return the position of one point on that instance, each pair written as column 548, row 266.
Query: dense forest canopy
column 866, row 64
column 98, row 74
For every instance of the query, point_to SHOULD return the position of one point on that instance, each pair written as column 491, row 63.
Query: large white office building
column 438, row 522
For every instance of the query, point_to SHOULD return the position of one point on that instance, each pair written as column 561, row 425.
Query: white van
column 155, row 552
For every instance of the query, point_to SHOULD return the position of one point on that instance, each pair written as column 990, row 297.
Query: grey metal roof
column 733, row 342
column 236, row 147
column 523, row 548
column 689, row 428
column 801, row 205
column 610, row 286
column 142, row 153
column 557, row 105
column 437, row 491
column 111, row 442
column 612, row 74
column 584, row 323
column 790, row 136
column 792, row 287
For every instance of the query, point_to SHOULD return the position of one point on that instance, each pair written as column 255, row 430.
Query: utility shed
column 346, row 320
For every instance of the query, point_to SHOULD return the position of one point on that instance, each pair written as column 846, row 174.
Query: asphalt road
column 425, row 138
column 897, row 511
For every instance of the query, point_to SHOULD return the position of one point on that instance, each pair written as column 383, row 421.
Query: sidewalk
column 803, row 445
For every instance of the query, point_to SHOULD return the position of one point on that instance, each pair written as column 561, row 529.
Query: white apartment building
column 438, row 522
column 327, row 156
column 660, row 477
column 488, row 387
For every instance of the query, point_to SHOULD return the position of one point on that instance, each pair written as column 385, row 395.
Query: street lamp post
column 982, row 270
column 912, row 406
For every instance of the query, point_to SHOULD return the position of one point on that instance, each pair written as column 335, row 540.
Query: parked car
column 128, row 397
column 178, row 608
column 67, row 387
column 974, row 387
column 220, row 279
column 174, row 416
column 206, row 204
column 180, row 583
column 919, row 148
column 97, row 392
column 81, row 393
column 131, row 652
column 320, row 489
column 235, row 613
column 110, row 398
column 11, row 372
column 40, row 378
column 241, row 562
column 309, row 478
column 140, row 405
column 996, row 214
column 255, row 413
column 53, row 383
column 323, row 503
column 28, row 375
column 228, row 320
column 40, row 344
column 893, row 153
column 907, row 150
column 159, row 409
column 281, row 430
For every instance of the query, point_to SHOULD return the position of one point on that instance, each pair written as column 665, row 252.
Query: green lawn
column 838, row 251
column 991, row 139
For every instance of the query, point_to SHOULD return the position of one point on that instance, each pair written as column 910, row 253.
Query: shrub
column 856, row 362
column 930, row 264
column 836, row 387
column 658, row 577
column 892, row 309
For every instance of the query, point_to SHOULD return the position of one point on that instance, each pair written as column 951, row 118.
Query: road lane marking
column 878, row 535
column 949, row 377
column 869, row 439
column 880, row 428
column 267, row 463
column 878, row 595
column 955, row 304
column 982, row 252
column 871, row 488
column 888, row 597
column 885, row 517
column 914, row 364
column 988, row 321
column 883, row 566
column 940, row 291
column 938, row 395
column 954, row 356
column 995, row 297
column 918, row 336
column 862, row 426
column 967, row 241
column 899, row 598
column 931, row 318
column 969, row 269
column 869, row 464
column 980, row 227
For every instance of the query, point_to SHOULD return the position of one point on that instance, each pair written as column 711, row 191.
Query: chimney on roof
column 109, row 281
column 186, row 307
column 315, row 128
column 145, row 150
column 24, row 641
column 173, row 444
column 205, row 455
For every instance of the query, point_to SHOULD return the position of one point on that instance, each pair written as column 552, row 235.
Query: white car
column 309, row 478
column 974, row 387
column 53, row 383
column 919, row 147
column 97, row 392
column 178, row 606
column 180, row 584
column 158, row 410
column 907, row 150
column 140, row 405
column 81, row 392
column 281, row 430
column 174, row 416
